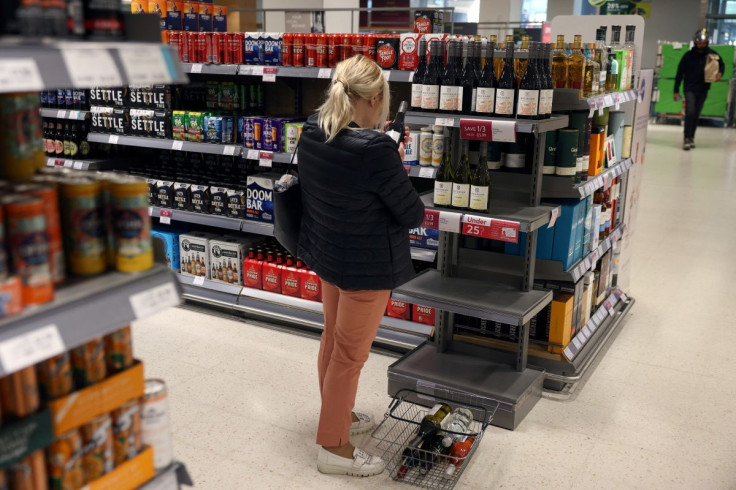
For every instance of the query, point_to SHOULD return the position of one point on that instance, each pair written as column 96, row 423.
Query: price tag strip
column 198, row 281
column 427, row 172
column 165, row 216
column 30, row 348
column 494, row 229
column 113, row 139
column 325, row 73
column 91, row 68
column 269, row 73
column 19, row 75
column 154, row 300
column 265, row 159
column 252, row 155
column 445, row 121
column 229, row 150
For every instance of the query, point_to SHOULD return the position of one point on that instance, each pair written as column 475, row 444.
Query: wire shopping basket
column 421, row 467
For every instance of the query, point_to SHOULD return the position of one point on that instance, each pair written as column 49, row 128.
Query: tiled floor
column 657, row 411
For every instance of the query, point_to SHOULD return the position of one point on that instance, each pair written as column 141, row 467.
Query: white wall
column 671, row 20
column 559, row 7
column 340, row 21
column 276, row 21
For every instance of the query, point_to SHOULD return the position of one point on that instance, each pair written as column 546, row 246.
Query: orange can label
column 88, row 362
column 97, row 458
column 55, row 376
column 127, row 431
column 65, row 461
column 119, row 350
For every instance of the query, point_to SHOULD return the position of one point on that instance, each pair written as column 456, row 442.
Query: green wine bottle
column 443, row 181
column 480, row 183
column 461, row 182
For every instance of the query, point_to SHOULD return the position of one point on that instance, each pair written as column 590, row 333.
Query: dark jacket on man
column 692, row 67
column 358, row 206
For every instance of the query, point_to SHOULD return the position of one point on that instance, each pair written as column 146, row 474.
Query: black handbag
column 287, row 212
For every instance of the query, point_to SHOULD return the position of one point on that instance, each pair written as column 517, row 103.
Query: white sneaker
column 362, row 464
column 364, row 424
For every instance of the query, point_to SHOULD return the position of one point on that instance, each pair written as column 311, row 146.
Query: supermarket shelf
column 424, row 172
column 423, row 254
column 282, row 71
column 467, row 371
column 215, row 221
column 529, row 217
column 82, row 311
column 209, row 69
column 567, row 99
column 35, row 66
column 453, row 120
column 554, row 186
column 64, row 114
column 81, row 164
column 274, row 156
column 473, row 297
column 548, row 270
column 164, row 144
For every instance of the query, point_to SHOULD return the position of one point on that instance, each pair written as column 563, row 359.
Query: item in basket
column 55, row 376
column 19, row 395
column 11, row 296
column 201, row 198
column 126, row 430
column 430, row 424
column 131, row 224
column 195, row 126
column 387, row 52
column 458, row 453
column 29, row 247
column 64, row 457
column 29, row 473
column 88, row 363
column 118, row 350
column 97, row 454
column 155, row 422
column 179, row 125
column 292, row 133
column 82, row 211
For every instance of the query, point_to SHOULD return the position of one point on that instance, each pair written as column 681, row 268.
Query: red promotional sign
column 476, row 129
column 477, row 226
column 505, row 231
column 431, row 219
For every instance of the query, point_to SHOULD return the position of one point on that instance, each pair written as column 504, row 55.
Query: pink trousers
column 351, row 323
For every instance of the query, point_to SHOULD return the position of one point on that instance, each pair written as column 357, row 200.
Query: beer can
column 358, row 43
column 29, row 473
column 126, row 431
column 213, row 49
column 438, row 148
column 258, row 133
column 310, row 49
column 287, row 42
column 53, row 226
column 176, row 40
column 88, row 363
column 119, row 350
column 249, row 132
column 371, row 41
column 64, row 458
column 190, row 39
column 346, row 47
column 223, row 47
column 84, row 231
column 11, row 296
column 425, row 147
column 131, row 224
column 97, row 451
column 298, row 50
column 29, row 247
column 203, row 44
column 333, row 40
column 237, row 47
column 55, row 376
column 155, row 422
column 321, row 59
column 19, row 393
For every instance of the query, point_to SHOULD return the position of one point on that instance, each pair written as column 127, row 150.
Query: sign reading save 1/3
column 474, row 129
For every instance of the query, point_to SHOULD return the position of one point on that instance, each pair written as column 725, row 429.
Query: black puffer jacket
column 358, row 206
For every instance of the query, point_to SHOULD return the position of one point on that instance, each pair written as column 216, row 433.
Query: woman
column 358, row 206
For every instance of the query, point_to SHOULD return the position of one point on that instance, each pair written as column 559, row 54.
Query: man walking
column 693, row 68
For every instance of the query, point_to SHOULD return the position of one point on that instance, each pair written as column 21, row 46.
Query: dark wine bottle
column 396, row 129
column 461, row 182
column 486, row 99
column 527, row 106
column 450, row 90
column 468, row 82
column 547, row 85
column 418, row 79
column 433, row 78
column 506, row 90
column 433, row 450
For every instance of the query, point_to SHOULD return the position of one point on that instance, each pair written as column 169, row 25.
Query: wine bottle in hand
column 396, row 128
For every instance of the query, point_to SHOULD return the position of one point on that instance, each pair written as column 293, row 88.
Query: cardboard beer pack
column 409, row 51
column 259, row 196
column 219, row 18
column 194, row 253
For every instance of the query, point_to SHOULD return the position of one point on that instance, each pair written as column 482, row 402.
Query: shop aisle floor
column 656, row 412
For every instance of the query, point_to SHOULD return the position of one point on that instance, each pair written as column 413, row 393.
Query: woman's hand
column 401, row 152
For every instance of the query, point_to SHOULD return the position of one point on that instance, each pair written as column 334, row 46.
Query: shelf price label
column 431, row 219
column 387, row 75
column 324, row 73
column 408, row 169
column 198, row 281
column 476, row 129
column 154, row 300
column 450, row 222
column 165, row 216
column 445, row 121
column 505, row 231
column 252, row 155
column 19, row 75
column 269, row 73
column 577, row 343
column 113, row 139
column 229, row 150
column 91, row 68
column 504, row 131
column 426, row 172
column 265, row 159
column 196, row 68
column 68, row 164
column 61, row 114
column 144, row 66
column 29, row 348
column 177, row 145
column 477, row 226
column 58, row 162
column 78, row 165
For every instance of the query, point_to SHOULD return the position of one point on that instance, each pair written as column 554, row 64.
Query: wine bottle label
column 486, row 100
column 442, row 193
column 549, row 170
column 505, row 101
column 566, row 171
column 579, row 164
column 479, row 198
column 448, row 98
column 460, row 195
column 545, row 101
column 494, row 164
column 459, row 99
column 393, row 134
column 430, row 97
column 416, row 94
column 474, row 100
column 528, row 103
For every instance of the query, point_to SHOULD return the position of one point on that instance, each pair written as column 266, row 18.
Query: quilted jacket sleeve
column 392, row 184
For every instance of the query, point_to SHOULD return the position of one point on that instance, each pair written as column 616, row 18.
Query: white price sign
column 199, row 281
column 426, row 172
column 61, row 114
column 450, row 222
column 113, row 139
column 196, row 68
column 154, row 300
column 445, row 121
column 252, row 155
column 19, row 75
column 265, row 162
column 144, row 66
column 387, row 75
column 29, row 348
column 78, row 165
column 177, row 145
column 229, row 150
column 91, row 68
column 504, row 131
column 324, row 73
column 165, row 216
column 553, row 217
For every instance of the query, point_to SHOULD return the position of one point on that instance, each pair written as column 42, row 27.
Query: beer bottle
column 59, row 139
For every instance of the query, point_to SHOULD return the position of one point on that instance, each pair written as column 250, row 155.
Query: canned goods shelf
column 81, row 164
column 36, row 66
column 453, row 120
column 165, row 144
column 69, row 114
column 84, row 310
column 215, row 221
column 555, row 186
column 282, row 71
column 210, row 69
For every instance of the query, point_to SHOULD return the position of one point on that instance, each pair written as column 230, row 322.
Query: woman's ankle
column 344, row 451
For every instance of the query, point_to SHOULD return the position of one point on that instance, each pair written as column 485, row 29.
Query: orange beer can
column 19, row 393
column 97, row 452
column 119, row 350
column 55, row 376
column 126, row 430
column 88, row 362
column 64, row 457
column 29, row 473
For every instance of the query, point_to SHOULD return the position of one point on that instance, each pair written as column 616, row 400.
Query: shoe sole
column 337, row 470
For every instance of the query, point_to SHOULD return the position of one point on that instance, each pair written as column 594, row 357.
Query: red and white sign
column 423, row 314
column 505, row 231
column 431, row 219
column 477, row 226
column 165, row 217
column 476, row 129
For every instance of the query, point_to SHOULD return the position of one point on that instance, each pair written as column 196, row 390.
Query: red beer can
column 287, row 41
column 358, row 43
column 222, row 47
column 321, row 50
column 310, row 50
column 175, row 40
column 333, row 40
column 190, row 48
column 370, row 41
column 297, row 57
column 213, row 52
column 236, row 41
column 346, row 47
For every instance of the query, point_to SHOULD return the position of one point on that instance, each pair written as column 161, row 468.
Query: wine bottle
column 480, row 183
column 443, row 181
column 546, row 92
column 478, row 64
column 576, row 66
column 461, row 182
column 601, row 58
column 468, row 82
column 559, row 64
column 433, row 450
column 458, row 425
column 458, row 453
column 450, row 90
column 500, row 61
column 59, row 139
column 419, row 73
column 506, row 90
column 396, row 129
column 520, row 65
column 631, row 48
column 486, row 99
column 527, row 106
column 433, row 78
column 430, row 424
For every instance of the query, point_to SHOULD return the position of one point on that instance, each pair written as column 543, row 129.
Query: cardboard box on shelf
column 560, row 325
column 129, row 475
column 260, row 196
column 194, row 253
column 423, row 314
column 398, row 309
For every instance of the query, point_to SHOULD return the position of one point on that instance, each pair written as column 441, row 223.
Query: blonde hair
column 357, row 77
